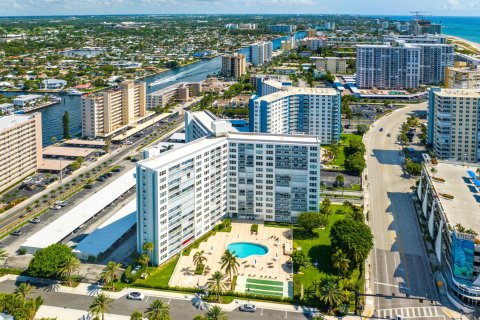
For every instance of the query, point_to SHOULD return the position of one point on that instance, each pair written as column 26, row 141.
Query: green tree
column 308, row 221
column 362, row 129
column 143, row 259
column 66, row 128
column 340, row 179
column 158, row 310
column 109, row 273
column 23, row 290
column 199, row 258
column 99, row 305
column 330, row 294
column 300, row 259
column 415, row 169
column 326, row 207
column 216, row 283
column 355, row 163
column 230, row 264
column 216, row 313
column 147, row 248
column 340, row 261
column 69, row 266
column 354, row 238
column 47, row 262
column 137, row 315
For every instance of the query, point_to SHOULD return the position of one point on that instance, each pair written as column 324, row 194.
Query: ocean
column 463, row 27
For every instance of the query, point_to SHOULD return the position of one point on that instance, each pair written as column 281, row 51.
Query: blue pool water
column 246, row 249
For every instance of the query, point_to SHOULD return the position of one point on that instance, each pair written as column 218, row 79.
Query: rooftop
column 84, row 211
column 274, row 138
column 80, row 142
column 7, row 122
column 53, row 164
column 291, row 91
column 464, row 208
column 472, row 93
column 68, row 152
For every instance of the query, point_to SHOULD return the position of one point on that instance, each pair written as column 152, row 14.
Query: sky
column 363, row 7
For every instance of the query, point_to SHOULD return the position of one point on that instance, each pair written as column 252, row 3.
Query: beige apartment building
column 453, row 124
column 105, row 112
column 462, row 77
column 234, row 65
column 21, row 144
column 334, row 65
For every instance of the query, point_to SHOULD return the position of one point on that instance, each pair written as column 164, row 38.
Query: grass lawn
column 159, row 276
column 345, row 139
column 318, row 249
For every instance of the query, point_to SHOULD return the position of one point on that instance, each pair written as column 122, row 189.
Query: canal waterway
column 52, row 125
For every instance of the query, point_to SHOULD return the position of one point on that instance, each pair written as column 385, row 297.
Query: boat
column 74, row 92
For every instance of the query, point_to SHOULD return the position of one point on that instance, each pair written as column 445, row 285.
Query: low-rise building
column 333, row 65
column 52, row 84
column 177, row 92
column 315, row 43
column 26, row 100
column 21, row 143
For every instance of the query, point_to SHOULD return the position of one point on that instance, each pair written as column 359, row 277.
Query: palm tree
column 158, row 310
column 23, row 290
column 434, row 170
column 100, row 304
column 340, row 261
column 199, row 258
column 143, row 259
column 230, row 263
column 69, row 266
column 330, row 294
column 217, row 283
column 147, row 247
column 216, row 313
column 137, row 315
column 110, row 272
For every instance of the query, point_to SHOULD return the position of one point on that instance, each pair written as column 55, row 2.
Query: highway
column 398, row 263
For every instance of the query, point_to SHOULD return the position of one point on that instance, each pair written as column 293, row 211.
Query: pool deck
column 271, row 266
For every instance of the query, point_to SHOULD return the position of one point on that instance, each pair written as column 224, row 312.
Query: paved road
column 399, row 261
column 179, row 309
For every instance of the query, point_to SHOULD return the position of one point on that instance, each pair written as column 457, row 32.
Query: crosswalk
column 410, row 313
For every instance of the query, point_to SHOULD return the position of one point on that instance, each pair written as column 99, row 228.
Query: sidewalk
column 90, row 289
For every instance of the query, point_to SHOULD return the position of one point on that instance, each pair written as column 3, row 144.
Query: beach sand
column 468, row 43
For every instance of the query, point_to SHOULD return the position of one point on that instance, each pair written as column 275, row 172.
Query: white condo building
column 184, row 192
column 401, row 65
column 293, row 110
column 261, row 53
column 453, row 128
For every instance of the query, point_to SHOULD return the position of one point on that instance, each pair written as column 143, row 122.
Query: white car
column 135, row 296
column 61, row 203
column 248, row 307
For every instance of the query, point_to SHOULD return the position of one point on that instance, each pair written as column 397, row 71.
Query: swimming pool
column 244, row 250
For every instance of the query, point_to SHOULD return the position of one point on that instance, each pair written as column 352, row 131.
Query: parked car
column 134, row 160
column 248, row 307
column 128, row 142
column 381, row 129
column 56, row 207
column 135, row 296
column 117, row 170
column 61, row 203
column 89, row 186
column 35, row 220
column 16, row 233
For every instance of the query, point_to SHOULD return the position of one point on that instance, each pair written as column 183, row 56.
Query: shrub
column 129, row 277
column 254, row 228
column 46, row 262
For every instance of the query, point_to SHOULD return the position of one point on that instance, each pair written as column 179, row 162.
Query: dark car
column 89, row 186
column 381, row 129
column 117, row 170
column 134, row 160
